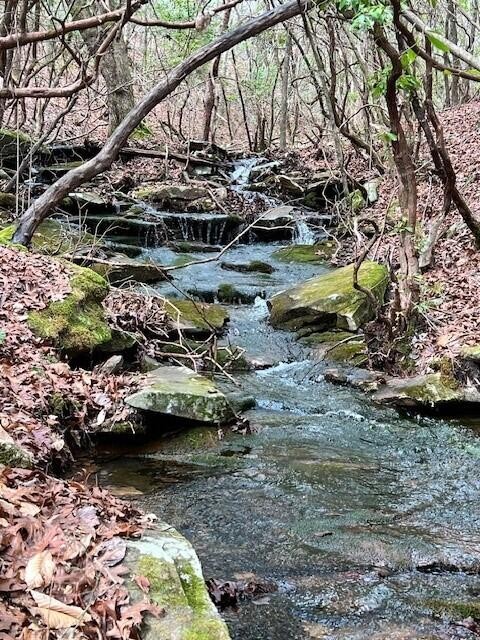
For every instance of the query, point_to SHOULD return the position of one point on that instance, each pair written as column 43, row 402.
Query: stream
column 366, row 520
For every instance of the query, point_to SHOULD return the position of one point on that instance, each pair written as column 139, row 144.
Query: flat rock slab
column 182, row 393
column 169, row 562
column 330, row 301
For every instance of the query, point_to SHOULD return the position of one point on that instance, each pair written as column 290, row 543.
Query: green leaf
column 3, row 335
column 437, row 43
column 407, row 58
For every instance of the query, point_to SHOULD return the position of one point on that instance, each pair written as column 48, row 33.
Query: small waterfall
column 242, row 169
column 303, row 233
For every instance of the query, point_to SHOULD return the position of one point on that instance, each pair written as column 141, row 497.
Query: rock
column 169, row 563
column 229, row 294
column 54, row 171
column 113, row 365
column 357, row 201
column 8, row 201
column 330, row 300
column 196, row 317
column 12, row 454
column 290, row 185
column 471, row 353
column 371, row 187
column 202, row 205
column 254, row 266
column 90, row 202
column 306, row 253
column 182, row 393
column 54, row 238
column 276, row 224
column 425, row 391
column 178, row 196
column 325, row 190
column 355, row 378
column 120, row 341
column 119, row 268
column 76, row 324
column 13, row 142
column 241, row 401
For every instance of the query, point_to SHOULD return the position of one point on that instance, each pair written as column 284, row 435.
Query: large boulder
column 169, row 563
column 330, row 301
column 182, row 393
column 275, row 224
column 76, row 324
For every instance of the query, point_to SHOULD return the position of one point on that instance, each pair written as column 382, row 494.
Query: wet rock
column 55, row 171
column 306, row 253
column 113, row 365
column 229, row 294
column 427, row 390
column 276, row 224
column 330, row 300
column 8, row 201
column 76, row 324
column 241, row 401
column 254, row 266
column 196, row 317
column 120, row 342
column 355, row 378
column 90, row 202
column 182, row 393
column 168, row 561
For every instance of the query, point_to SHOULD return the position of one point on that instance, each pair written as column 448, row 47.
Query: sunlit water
column 363, row 518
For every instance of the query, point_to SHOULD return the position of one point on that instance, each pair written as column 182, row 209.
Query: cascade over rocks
column 330, row 301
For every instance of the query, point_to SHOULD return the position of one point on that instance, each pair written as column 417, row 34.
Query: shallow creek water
column 367, row 521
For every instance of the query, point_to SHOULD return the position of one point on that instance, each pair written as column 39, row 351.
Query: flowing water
column 367, row 521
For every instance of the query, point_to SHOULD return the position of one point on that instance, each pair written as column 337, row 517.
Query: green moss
column 454, row 608
column 471, row 353
column 13, row 456
column 6, row 234
column 324, row 337
column 199, row 315
column 352, row 352
column 53, row 238
column 228, row 294
column 206, row 629
column 119, row 342
column 356, row 200
column 194, row 589
column 7, row 200
column 77, row 323
column 254, row 266
column 165, row 588
column 306, row 253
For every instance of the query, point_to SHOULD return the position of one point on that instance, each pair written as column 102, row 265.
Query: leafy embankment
column 62, row 546
column 62, row 543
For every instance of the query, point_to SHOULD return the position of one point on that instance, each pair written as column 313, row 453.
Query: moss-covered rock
column 8, row 201
column 13, row 142
column 118, row 268
column 330, row 300
column 76, row 324
column 254, row 266
column 306, row 253
column 180, row 392
column 12, row 455
column 196, row 316
column 172, row 195
column 471, row 352
column 423, row 390
column 229, row 294
column 455, row 609
column 173, row 570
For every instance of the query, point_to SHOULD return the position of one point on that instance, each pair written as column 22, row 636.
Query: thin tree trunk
column 284, row 95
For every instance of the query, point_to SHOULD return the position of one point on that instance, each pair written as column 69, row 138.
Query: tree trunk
column 116, row 66
column 284, row 98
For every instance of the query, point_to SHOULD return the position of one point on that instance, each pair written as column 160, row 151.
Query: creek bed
column 366, row 520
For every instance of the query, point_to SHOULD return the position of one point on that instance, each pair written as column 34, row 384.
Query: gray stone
column 182, row 393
